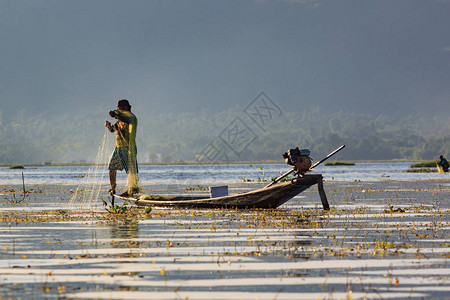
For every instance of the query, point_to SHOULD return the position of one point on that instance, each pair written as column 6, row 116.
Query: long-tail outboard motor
column 299, row 159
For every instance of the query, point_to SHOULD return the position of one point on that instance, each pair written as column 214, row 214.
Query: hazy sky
column 366, row 56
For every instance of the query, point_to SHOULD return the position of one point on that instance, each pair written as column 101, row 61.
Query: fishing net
column 87, row 193
column 133, row 182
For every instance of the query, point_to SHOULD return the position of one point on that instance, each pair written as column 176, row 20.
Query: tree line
column 170, row 137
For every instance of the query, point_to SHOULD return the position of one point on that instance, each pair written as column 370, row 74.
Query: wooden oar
column 310, row 169
column 326, row 157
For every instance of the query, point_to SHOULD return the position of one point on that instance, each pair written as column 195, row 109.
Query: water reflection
column 124, row 229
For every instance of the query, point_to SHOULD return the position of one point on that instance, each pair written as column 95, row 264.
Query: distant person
column 124, row 155
column 443, row 163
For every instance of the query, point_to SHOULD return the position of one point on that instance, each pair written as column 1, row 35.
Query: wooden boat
column 270, row 196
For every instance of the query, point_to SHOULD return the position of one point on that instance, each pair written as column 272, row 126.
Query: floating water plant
column 423, row 167
column 284, row 179
column 428, row 164
column 260, row 174
column 340, row 163
column 116, row 209
column 422, row 170
column 17, row 167
column 192, row 188
column 394, row 210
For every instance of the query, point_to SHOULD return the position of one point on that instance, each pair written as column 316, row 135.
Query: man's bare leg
column 112, row 181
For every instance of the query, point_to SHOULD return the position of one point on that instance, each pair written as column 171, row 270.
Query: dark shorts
column 119, row 159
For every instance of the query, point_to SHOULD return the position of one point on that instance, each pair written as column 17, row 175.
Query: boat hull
column 270, row 197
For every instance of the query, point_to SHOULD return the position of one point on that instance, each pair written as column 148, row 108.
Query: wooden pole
column 323, row 196
column 327, row 157
column 279, row 178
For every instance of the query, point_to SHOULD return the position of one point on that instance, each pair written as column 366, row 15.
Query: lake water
column 216, row 174
column 385, row 237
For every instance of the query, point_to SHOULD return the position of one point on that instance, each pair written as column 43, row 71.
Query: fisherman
column 124, row 155
column 443, row 163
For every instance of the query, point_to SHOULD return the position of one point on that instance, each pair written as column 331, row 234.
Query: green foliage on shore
column 175, row 138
